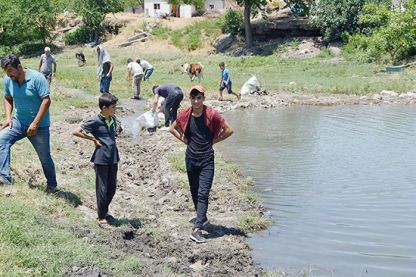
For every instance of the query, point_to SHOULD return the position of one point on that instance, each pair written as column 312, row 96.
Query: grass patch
column 251, row 197
column 191, row 37
column 177, row 162
column 253, row 222
column 42, row 235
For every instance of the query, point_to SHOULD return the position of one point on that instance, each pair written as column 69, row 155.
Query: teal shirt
column 28, row 97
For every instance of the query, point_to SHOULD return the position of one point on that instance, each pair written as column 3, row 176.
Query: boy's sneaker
column 51, row 190
column 197, row 237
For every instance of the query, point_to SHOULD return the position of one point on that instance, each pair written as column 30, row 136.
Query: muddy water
column 339, row 184
column 135, row 108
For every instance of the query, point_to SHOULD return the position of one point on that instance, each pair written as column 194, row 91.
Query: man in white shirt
column 135, row 70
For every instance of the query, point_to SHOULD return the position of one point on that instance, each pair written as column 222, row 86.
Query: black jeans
column 105, row 186
column 172, row 103
column 200, row 176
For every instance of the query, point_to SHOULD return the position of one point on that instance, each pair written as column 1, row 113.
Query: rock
column 10, row 192
column 198, row 266
column 292, row 83
column 388, row 93
column 171, row 260
column 363, row 97
column 377, row 96
column 335, row 51
column 223, row 42
column 411, row 94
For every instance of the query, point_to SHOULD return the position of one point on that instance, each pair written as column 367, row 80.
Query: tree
column 26, row 20
column 93, row 12
column 249, row 6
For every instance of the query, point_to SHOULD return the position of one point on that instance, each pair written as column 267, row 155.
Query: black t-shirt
column 199, row 138
column 107, row 154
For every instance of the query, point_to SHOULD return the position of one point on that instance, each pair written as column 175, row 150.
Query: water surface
column 339, row 183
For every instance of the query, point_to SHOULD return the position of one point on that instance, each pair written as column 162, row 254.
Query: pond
column 339, row 184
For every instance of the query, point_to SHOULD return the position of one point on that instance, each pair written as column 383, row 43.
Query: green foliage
column 334, row 17
column 232, row 23
column 373, row 16
column 26, row 20
column 394, row 35
column 93, row 12
column 191, row 37
column 82, row 35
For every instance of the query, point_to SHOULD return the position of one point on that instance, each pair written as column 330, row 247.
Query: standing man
column 135, row 70
column 173, row 96
column 147, row 68
column 200, row 127
column 105, row 69
column 45, row 65
column 28, row 92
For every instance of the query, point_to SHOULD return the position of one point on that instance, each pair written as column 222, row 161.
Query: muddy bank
column 276, row 100
column 153, row 206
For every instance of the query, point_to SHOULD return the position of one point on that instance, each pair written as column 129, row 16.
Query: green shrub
column 232, row 23
column 82, row 35
column 394, row 39
column 334, row 17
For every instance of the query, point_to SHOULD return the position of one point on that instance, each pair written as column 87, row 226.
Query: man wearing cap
column 27, row 92
column 199, row 127
column 173, row 96
column 45, row 64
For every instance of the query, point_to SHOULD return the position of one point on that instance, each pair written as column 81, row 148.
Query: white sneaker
column 164, row 128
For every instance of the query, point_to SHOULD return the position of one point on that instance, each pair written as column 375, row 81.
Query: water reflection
column 339, row 183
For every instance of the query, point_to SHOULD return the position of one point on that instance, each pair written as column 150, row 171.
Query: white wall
column 149, row 7
column 218, row 4
column 186, row 11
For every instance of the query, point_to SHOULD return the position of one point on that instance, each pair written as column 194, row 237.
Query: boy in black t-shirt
column 101, row 129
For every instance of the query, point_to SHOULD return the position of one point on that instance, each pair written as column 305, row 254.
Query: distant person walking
column 28, row 92
column 47, row 65
column 199, row 127
column 105, row 69
column 135, row 70
column 173, row 96
column 101, row 130
column 147, row 68
column 226, row 82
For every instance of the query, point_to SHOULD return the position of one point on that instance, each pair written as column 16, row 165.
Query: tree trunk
column 247, row 24
column 97, row 35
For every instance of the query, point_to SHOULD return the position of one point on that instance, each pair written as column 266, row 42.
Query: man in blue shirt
column 27, row 91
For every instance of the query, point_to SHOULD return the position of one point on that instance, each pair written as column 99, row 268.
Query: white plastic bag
column 148, row 120
column 251, row 86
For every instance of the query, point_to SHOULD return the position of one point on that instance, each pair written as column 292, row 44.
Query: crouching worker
column 101, row 130
column 200, row 127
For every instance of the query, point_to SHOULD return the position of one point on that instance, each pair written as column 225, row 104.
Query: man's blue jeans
column 105, row 84
column 40, row 141
column 147, row 74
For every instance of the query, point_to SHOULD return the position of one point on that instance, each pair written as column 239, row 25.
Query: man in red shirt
column 200, row 127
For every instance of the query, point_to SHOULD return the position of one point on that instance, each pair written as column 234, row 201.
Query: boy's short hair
column 10, row 59
column 222, row 64
column 129, row 60
column 154, row 88
column 106, row 100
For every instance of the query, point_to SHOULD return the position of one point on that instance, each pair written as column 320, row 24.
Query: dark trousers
column 105, row 186
column 172, row 103
column 200, row 176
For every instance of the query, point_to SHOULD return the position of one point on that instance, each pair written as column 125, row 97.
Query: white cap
column 47, row 49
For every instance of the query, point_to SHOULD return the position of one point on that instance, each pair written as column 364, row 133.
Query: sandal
column 102, row 222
